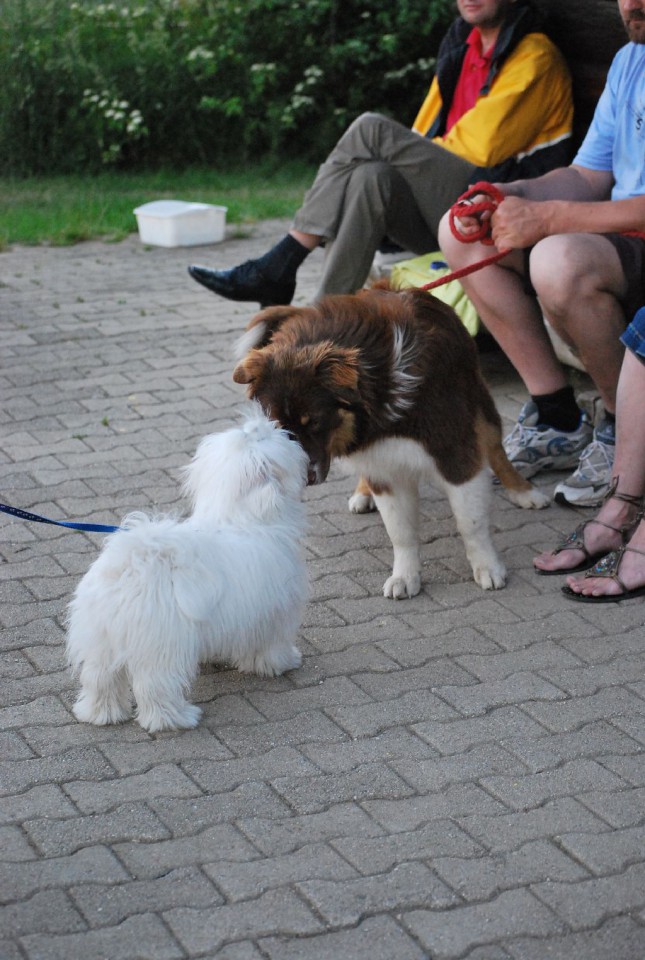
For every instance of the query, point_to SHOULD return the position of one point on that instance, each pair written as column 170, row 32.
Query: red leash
column 465, row 206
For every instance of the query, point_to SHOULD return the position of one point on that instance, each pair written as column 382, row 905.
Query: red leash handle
column 466, row 207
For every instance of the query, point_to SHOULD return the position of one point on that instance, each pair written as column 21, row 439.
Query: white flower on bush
column 200, row 53
column 116, row 122
column 302, row 101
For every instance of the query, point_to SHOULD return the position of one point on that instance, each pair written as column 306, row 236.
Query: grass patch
column 64, row 210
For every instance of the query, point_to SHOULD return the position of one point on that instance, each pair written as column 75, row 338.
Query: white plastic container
column 177, row 223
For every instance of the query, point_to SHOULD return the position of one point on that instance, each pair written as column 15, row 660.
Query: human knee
column 371, row 172
column 454, row 251
column 366, row 125
column 561, row 275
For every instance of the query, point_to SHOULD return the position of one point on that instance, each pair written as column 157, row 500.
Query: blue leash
column 89, row 527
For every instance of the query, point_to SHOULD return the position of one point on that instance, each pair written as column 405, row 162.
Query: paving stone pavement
column 455, row 776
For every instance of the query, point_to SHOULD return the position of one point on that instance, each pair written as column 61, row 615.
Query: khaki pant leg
column 405, row 179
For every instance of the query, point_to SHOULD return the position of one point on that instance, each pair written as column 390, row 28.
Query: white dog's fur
column 228, row 583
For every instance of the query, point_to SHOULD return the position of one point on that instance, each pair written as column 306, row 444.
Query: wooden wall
column 589, row 32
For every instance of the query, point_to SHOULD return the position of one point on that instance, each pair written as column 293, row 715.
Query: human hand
column 519, row 223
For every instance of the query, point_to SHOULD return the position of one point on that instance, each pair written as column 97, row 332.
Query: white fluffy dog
column 229, row 582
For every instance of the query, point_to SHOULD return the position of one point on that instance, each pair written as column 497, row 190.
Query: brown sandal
column 575, row 540
column 608, row 568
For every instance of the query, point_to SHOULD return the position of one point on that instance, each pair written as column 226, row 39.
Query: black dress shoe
column 245, row 282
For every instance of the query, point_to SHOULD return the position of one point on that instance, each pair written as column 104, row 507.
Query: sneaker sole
column 592, row 500
column 528, row 470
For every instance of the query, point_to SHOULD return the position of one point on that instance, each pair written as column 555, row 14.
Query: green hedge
column 85, row 85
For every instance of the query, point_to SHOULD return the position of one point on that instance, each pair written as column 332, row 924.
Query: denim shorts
column 634, row 336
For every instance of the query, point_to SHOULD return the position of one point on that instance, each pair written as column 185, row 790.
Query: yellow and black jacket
column 521, row 125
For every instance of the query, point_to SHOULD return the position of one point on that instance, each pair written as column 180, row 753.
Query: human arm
column 518, row 222
column 532, row 205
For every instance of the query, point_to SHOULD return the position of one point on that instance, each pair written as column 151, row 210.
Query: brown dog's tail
column 520, row 491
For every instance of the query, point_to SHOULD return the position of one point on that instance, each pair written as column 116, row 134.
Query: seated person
column 499, row 107
column 571, row 241
column 616, row 537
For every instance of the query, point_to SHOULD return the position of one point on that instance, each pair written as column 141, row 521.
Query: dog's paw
column 490, row 576
column 170, row 718
column 87, row 710
column 272, row 662
column 361, row 503
column 532, row 499
column 399, row 588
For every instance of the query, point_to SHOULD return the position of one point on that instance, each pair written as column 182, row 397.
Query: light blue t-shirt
column 616, row 138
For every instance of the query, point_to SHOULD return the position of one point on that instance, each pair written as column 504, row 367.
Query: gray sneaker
column 531, row 446
column 587, row 486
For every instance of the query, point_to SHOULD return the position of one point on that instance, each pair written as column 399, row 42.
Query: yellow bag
column 429, row 267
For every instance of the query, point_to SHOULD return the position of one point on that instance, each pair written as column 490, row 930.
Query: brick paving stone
column 480, row 878
column 621, row 939
column 416, row 651
column 511, row 914
column 312, row 726
column 608, row 704
column 13, row 747
column 609, row 852
column 46, row 912
column 90, row 865
column 279, row 912
column 103, row 905
column 46, row 800
column 458, row 775
column 457, row 801
column 376, row 938
column 532, row 790
column 589, row 902
column 368, row 720
column 166, row 780
column 619, row 809
column 343, row 903
column 324, row 695
column 239, row 951
column 519, row 688
column 479, row 762
column 187, row 817
column 631, row 769
column 77, row 734
column 441, row 838
column 394, row 744
column 123, row 942
column 62, row 837
column 277, row 837
column 510, row 830
column 145, row 860
column 500, row 723
column 598, row 739
column 247, row 880
column 219, row 775
column 17, row 775
column 538, row 656
column 15, row 845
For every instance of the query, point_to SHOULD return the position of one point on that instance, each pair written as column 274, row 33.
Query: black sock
column 281, row 262
column 558, row 410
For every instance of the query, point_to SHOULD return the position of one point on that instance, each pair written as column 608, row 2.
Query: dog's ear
column 250, row 368
column 338, row 370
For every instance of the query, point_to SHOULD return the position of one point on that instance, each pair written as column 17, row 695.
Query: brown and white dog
column 391, row 381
